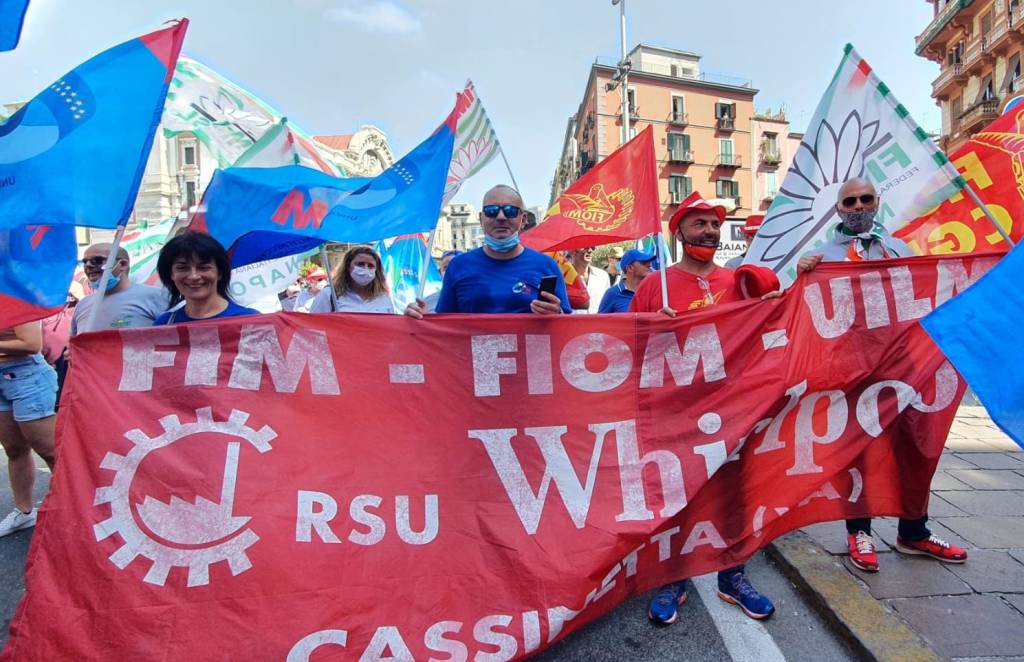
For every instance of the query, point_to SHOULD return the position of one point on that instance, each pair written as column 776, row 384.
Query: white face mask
column 363, row 276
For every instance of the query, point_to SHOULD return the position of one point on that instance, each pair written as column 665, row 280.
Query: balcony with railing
column 1017, row 17
column 666, row 70
column 950, row 77
column 725, row 124
column 770, row 154
column 998, row 40
column 680, row 156
column 726, row 160
column 973, row 55
column 978, row 115
column 679, row 118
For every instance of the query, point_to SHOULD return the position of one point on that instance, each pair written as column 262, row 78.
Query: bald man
column 502, row 276
column 124, row 304
column 859, row 237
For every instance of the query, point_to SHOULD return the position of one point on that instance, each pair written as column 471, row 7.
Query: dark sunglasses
column 510, row 211
column 93, row 261
column 866, row 199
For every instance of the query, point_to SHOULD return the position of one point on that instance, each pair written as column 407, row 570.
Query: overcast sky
column 333, row 65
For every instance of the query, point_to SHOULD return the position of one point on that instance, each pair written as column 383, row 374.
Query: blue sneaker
column 665, row 604
column 736, row 590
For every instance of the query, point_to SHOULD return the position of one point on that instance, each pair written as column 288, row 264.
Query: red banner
column 616, row 200
column 331, row 486
column 992, row 163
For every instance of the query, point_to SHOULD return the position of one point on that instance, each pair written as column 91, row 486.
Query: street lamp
column 622, row 72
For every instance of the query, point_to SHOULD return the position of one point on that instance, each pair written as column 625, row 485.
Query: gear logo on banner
column 597, row 211
column 207, row 532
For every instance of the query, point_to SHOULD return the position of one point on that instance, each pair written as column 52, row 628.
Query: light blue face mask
column 111, row 283
column 502, row 245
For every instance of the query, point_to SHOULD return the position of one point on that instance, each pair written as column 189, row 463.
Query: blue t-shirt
column 178, row 315
column 477, row 283
column 616, row 299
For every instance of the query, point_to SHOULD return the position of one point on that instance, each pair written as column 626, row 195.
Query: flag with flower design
column 859, row 129
column 475, row 141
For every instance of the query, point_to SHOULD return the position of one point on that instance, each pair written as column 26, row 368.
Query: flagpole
column 662, row 250
column 989, row 214
column 330, row 277
column 497, row 142
column 105, row 278
column 425, row 267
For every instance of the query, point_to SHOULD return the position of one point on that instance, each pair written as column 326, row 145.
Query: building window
column 727, row 188
column 725, row 110
column 679, row 186
column 190, row 195
column 678, row 147
column 1012, row 74
column 986, row 93
column 678, row 109
column 631, row 99
column 771, row 185
column 986, row 24
column 190, row 155
column 725, row 149
column 771, row 143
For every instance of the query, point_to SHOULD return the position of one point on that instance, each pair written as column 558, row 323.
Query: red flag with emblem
column 617, row 200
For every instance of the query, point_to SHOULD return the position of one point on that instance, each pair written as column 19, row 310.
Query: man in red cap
column 749, row 231
column 694, row 282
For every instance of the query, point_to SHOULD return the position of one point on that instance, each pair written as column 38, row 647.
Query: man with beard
column 857, row 238
column 694, row 282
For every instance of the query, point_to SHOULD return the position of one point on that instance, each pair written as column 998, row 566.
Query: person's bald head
column 94, row 259
column 857, row 194
column 503, row 194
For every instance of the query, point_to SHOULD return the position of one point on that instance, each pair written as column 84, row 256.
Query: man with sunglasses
column 856, row 238
column 124, row 304
column 502, row 276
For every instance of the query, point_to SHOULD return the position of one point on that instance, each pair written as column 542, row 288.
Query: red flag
column 615, row 201
column 992, row 163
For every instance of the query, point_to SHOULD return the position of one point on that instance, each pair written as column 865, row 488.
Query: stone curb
column 875, row 632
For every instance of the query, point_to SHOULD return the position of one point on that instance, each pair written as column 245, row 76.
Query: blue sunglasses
column 510, row 211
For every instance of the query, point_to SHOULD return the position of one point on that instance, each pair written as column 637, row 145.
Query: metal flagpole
column 663, row 253
column 330, row 278
column 989, row 214
column 623, row 70
column 105, row 278
column 497, row 142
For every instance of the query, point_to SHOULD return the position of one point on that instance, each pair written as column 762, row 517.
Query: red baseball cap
column 753, row 223
column 693, row 202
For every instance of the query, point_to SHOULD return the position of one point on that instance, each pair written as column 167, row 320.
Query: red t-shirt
column 685, row 290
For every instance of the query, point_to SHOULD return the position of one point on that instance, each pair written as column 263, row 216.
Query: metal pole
column 330, row 277
column 102, row 288
column 624, row 71
column 662, row 250
column 988, row 213
column 511, row 176
column 425, row 267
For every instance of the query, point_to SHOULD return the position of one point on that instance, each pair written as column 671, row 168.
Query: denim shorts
column 28, row 387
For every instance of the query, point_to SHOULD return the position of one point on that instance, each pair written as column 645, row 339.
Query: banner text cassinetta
column 472, row 485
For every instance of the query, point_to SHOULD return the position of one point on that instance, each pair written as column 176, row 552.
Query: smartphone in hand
column 548, row 284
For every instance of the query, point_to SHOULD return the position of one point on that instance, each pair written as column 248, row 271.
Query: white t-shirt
column 597, row 283
column 350, row 302
column 139, row 305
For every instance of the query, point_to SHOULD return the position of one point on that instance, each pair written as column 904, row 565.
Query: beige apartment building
column 707, row 136
column 977, row 44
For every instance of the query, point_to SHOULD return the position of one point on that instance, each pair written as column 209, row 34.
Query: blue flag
column 36, row 266
column 403, row 263
column 12, row 16
column 976, row 330
column 263, row 213
column 74, row 155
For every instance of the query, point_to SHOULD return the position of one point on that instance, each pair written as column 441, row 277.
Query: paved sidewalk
column 974, row 610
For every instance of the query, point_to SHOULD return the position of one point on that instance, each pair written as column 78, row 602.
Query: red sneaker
column 862, row 551
column 933, row 547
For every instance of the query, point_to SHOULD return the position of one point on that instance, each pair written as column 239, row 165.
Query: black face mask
column 858, row 222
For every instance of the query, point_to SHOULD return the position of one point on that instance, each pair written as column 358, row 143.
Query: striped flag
column 475, row 141
column 859, row 129
column 143, row 245
column 281, row 146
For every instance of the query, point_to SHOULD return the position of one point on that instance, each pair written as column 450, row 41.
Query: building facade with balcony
column 705, row 135
column 774, row 146
column 977, row 45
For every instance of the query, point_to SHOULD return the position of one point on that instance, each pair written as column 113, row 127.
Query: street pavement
column 969, row 611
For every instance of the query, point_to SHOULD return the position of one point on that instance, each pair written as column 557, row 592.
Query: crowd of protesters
column 501, row 276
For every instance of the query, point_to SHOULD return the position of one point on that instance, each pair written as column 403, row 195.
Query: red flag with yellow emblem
column 616, row 200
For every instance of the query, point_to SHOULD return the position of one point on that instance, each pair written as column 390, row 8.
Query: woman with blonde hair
column 359, row 286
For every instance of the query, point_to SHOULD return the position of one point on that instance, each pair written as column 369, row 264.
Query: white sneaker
column 16, row 521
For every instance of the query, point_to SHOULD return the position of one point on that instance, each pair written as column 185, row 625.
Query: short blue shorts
column 28, row 387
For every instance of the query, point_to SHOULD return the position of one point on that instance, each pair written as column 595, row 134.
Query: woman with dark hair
column 195, row 268
column 359, row 286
